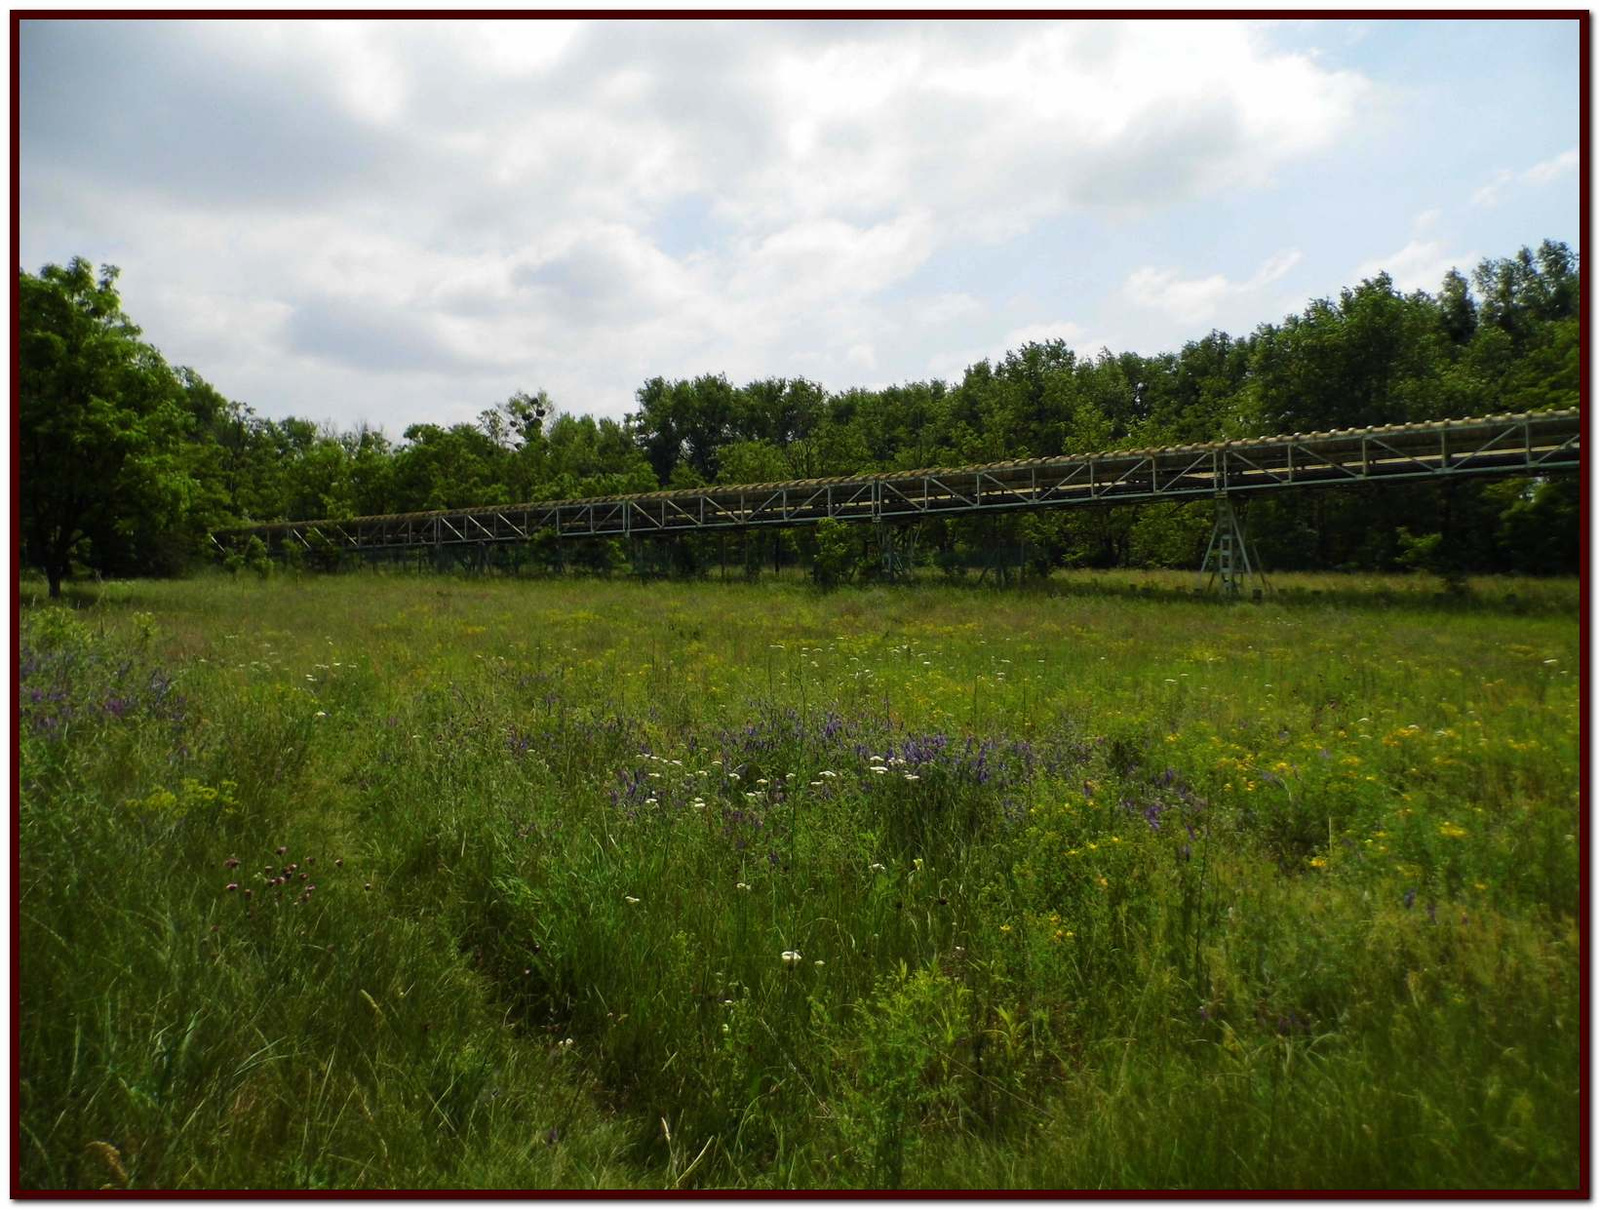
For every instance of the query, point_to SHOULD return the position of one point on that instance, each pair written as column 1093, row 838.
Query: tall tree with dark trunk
column 100, row 419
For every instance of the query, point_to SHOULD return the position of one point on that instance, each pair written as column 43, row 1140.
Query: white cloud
column 1493, row 192
column 449, row 211
column 944, row 308
column 1552, row 169
column 950, row 366
column 1196, row 300
column 1420, row 265
column 1042, row 333
column 1489, row 194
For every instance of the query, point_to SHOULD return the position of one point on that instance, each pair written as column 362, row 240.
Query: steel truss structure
column 1537, row 443
column 1232, row 562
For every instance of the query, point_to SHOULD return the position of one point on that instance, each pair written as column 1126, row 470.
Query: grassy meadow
column 431, row 881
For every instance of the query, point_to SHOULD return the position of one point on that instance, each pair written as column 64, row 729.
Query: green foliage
column 835, row 558
column 99, row 407
column 101, row 430
column 1430, row 552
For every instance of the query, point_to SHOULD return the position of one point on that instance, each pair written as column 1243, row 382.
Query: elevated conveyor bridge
column 1532, row 444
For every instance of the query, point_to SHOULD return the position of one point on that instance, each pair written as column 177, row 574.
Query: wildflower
column 232, row 863
column 879, row 769
column 741, row 886
column 818, row 963
column 232, row 886
column 320, row 714
column 827, row 773
column 917, row 862
column 565, row 1045
column 1318, row 863
column 912, row 777
column 631, row 899
column 876, row 867
column 791, row 958
column 282, row 849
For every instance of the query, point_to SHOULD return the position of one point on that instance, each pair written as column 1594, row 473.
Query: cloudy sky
column 406, row 221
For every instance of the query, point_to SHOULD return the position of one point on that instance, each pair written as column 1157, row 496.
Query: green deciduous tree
column 101, row 425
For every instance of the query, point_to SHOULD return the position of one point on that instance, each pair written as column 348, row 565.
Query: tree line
column 128, row 463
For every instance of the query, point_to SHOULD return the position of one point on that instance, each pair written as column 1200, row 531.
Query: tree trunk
column 54, row 575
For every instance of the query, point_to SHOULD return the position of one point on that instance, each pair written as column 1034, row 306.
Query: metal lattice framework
column 1538, row 443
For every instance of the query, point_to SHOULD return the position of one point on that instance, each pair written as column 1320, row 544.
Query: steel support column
column 897, row 548
column 1228, row 555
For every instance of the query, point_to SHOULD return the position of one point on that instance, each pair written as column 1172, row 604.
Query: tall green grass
column 693, row 885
